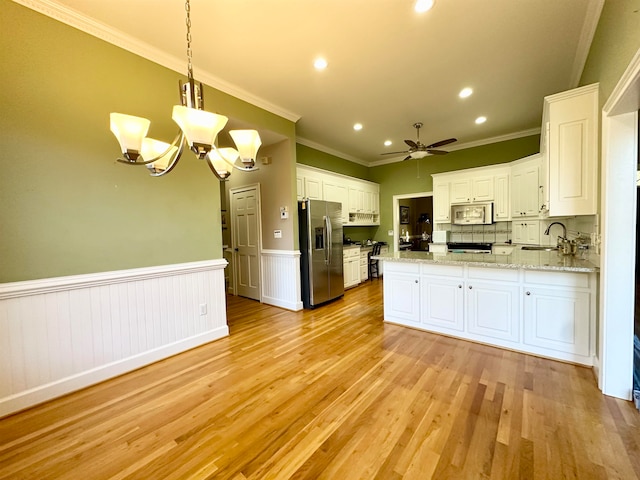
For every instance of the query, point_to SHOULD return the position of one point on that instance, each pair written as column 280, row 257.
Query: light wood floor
column 332, row 393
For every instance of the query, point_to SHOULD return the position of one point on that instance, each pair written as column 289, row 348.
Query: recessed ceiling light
column 423, row 5
column 480, row 120
column 465, row 92
column 387, row 143
column 320, row 63
column 357, row 126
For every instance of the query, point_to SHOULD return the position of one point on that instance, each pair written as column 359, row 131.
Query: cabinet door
column 375, row 202
column 356, row 200
column 443, row 302
column 337, row 193
column 460, row 190
column 502, row 204
column 493, row 310
column 313, row 188
column 526, row 231
column 441, row 202
column 572, row 149
column 300, row 187
column 367, row 201
column 557, row 319
column 482, row 189
column 525, row 191
column 401, row 298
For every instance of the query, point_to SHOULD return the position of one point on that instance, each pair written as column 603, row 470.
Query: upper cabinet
column 360, row 199
column 469, row 189
column 525, row 187
column 569, row 148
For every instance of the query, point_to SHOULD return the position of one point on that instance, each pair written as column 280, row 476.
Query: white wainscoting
column 281, row 279
column 62, row 334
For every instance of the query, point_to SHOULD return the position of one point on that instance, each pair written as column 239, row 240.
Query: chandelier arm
column 173, row 163
column 179, row 139
column 215, row 172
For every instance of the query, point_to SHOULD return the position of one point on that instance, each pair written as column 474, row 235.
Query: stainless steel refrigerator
column 321, row 251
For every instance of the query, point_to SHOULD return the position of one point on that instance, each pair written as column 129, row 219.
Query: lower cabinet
column 351, row 267
column 541, row 312
column 402, row 293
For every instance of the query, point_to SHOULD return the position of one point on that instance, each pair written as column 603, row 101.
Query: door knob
column 235, row 249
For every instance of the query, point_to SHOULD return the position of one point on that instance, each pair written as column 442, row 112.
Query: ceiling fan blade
column 393, row 153
column 436, row 152
column 407, row 158
column 442, row 143
column 411, row 143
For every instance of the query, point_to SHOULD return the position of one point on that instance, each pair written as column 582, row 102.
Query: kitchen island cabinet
column 534, row 302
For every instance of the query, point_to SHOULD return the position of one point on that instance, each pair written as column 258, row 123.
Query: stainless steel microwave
column 472, row 214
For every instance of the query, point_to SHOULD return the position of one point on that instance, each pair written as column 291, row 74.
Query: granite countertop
column 528, row 260
column 350, row 245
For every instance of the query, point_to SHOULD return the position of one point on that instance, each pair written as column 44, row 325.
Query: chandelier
column 197, row 128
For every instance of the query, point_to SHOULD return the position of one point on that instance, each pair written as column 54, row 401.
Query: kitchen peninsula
column 537, row 302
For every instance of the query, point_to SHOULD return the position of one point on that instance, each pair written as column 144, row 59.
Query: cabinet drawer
column 401, row 267
column 443, row 270
column 351, row 252
column 565, row 279
column 494, row 274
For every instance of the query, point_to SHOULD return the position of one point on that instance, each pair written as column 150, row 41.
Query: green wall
column 66, row 206
column 616, row 41
column 315, row 158
column 413, row 176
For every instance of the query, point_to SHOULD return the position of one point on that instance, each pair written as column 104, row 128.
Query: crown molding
column 311, row 144
column 70, row 17
column 589, row 27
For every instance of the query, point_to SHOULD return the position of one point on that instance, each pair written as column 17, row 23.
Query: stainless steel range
column 468, row 247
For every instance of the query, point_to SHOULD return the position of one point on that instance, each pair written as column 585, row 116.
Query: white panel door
column 401, row 298
column 557, row 319
column 245, row 234
column 493, row 310
column 443, row 302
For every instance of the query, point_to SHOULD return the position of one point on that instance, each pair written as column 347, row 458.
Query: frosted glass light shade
column 129, row 131
column 154, row 148
column 419, row 154
column 248, row 143
column 229, row 154
column 220, row 164
column 200, row 127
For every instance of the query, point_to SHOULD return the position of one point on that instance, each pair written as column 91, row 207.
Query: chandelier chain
column 187, row 8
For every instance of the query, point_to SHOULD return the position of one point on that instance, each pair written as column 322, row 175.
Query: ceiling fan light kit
column 418, row 149
column 198, row 129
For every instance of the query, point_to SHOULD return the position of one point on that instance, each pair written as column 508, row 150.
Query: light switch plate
column 277, row 234
column 390, row 233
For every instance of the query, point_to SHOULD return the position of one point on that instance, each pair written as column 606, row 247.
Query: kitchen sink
column 539, row 248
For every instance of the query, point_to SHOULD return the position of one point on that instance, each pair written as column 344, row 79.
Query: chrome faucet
column 564, row 229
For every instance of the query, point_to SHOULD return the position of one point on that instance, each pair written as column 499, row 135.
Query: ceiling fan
column 419, row 150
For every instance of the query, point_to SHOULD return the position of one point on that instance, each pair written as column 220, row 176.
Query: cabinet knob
column 459, row 286
column 528, row 293
column 470, row 287
column 416, row 281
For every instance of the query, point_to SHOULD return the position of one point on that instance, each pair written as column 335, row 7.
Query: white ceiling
column 389, row 67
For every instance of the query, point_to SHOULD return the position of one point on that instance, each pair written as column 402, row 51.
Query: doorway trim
column 234, row 240
column 619, row 157
column 396, row 214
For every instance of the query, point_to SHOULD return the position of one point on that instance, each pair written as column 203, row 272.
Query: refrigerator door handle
column 326, row 233
column 329, row 238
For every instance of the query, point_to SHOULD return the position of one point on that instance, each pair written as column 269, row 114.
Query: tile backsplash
column 499, row 232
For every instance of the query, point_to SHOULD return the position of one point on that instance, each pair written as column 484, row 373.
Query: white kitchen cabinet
column 502, row 203
column 402, row 293
column 525, row 231
column 335, row 192
column 570, row 151
column 469, row 189
column 313, row 188
column 441, row 202
column 546, row 313
column 525, row 188
column 364, row 264
column 351, row 266
column 559, row 314
column 493, row 310
column 360, row 199
column 442, row 302
column 299, row 187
